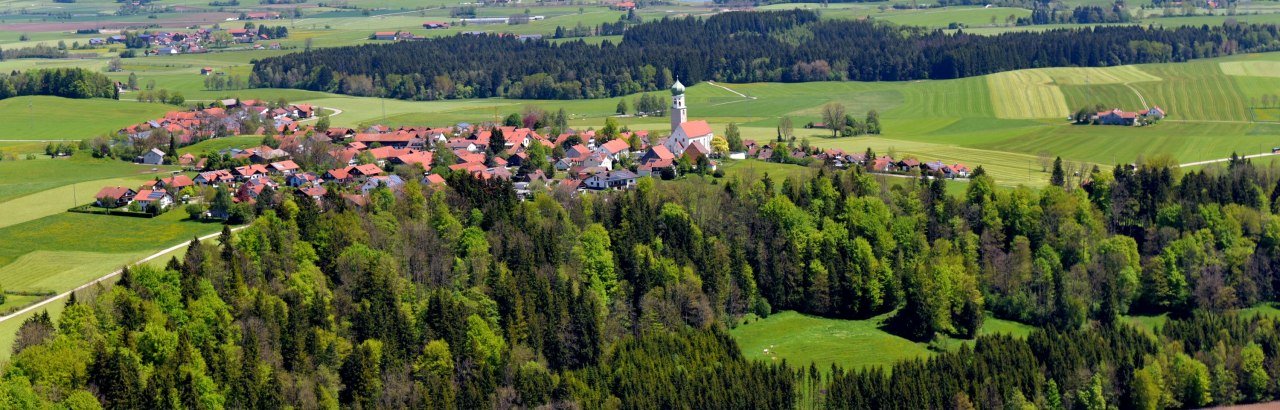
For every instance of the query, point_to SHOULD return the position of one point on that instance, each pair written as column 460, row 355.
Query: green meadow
column 54, row 118
column 853, row 344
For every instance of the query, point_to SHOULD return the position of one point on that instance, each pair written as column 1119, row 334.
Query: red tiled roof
column 695, row 128
column 615, row 146
column 435, row 179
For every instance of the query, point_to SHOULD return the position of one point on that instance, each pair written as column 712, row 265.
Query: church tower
column 679, row 113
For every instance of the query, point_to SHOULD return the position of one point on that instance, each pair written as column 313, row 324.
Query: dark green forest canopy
column 786, row 46
column 60, row 82
column 465, row 297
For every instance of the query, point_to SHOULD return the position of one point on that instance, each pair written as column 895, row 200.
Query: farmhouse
column 431, row 25
column 1117, row 117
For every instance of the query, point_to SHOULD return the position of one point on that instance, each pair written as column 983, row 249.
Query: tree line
column 60, row 82
column 786, row 46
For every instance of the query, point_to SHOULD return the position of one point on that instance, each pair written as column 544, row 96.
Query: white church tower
column 684, row 133
column 679, row 113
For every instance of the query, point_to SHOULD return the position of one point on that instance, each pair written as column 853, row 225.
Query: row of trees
column 731, row 47
column 60, row 82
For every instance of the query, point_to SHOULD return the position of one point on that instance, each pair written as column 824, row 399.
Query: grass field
column 853, row 344
column 43, row 118
column 25, row 177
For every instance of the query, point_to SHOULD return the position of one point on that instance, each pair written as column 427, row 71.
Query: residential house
column 250, row 172
column 114, row 197
column 301, row 179
column 614, row 148
column 1152, row 114
column 214, row 177
column 153, row 157
column 285, row 167
column 390, row 181
column 621, row 179
column 151, row 200
column 174, row 183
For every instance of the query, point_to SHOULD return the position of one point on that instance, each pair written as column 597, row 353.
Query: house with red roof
column 1117, row 117
column 151, row 200
column 114, row 197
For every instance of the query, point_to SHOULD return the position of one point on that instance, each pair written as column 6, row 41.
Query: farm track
column 153, row 256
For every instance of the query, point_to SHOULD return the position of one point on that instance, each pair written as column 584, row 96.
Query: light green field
column 1251, row 68
column 218, row 144
column 853, row 344
column 1026, row 94
column 44, row 118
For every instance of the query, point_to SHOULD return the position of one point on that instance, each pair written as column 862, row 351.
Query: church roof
column 694, row 129
column 677, row 88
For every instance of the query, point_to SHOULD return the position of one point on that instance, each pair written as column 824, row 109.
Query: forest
column 738, row 47
column 465, row 297
column 60, row 82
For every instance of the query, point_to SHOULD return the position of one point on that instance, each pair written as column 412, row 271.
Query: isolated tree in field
column 1045, row 160
column 133, row 81
column 873, row 122
column 622, row 106
column 785, row 128
column 833, row 117
column 1059, row 177
column 733, row 137
column 114, row 65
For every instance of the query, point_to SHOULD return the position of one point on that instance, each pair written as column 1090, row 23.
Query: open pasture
column 54, row 118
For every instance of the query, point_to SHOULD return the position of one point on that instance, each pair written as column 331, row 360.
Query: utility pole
column 74, row 202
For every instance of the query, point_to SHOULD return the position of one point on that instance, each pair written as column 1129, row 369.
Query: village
column 313, row 160
column 197, row 41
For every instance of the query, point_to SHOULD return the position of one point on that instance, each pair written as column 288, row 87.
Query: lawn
column 54, row 118
column 219, row 144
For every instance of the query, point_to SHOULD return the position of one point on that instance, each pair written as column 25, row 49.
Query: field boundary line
column 153, row 256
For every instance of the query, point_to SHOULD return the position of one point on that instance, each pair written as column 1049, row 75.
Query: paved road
column 47, row 301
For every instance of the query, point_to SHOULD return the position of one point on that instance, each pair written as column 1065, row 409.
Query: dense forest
column 465, row 297
column 788, row 46
column 61, row 82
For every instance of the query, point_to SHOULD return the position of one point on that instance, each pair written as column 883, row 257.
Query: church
column 684, row 133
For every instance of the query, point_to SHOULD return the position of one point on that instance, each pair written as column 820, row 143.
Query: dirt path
column 1213, row 161
column 1141, row 99
column 62, row 295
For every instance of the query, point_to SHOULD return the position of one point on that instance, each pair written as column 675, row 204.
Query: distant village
column 312, row 160
column 196, row 41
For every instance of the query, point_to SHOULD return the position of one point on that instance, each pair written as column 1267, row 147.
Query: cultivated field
column 1026, row 94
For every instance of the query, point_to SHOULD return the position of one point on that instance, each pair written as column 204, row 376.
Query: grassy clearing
column 801, row 339
column 1026, row 94
column 70, row 119
column 58, row 200
column 853, row 344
